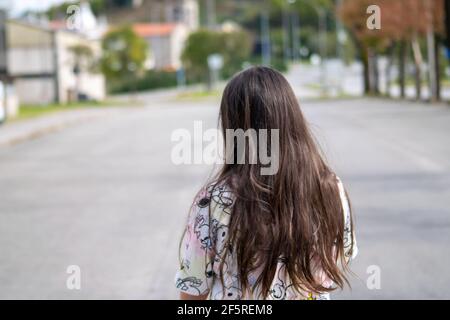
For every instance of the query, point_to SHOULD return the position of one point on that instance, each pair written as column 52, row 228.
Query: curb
column 25, row 134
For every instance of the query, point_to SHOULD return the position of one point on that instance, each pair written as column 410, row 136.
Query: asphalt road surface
column 105, row 196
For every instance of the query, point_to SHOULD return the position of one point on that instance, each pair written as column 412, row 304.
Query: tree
column 236, row 49
column 403, row 22
column 353, row 13
column 199, row 46
column 234, row 46
column 124, row 54
column 59, row 11
column 248, row 14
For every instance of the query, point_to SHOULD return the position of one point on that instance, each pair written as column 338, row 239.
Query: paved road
column 104, row 195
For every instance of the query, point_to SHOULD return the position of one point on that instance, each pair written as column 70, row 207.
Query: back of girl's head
column 260, row 98
column 295, row 213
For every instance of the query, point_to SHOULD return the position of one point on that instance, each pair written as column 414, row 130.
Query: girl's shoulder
column 350, row 245
column 217, row 197
column 341, row 188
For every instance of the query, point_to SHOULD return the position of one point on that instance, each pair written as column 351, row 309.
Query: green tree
column 59, row 11
column 235, row 47
column 198, row 47
column 98, row 6
column 124, row 54
column 276, row 39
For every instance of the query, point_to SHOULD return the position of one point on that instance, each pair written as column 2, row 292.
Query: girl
column 288, row 235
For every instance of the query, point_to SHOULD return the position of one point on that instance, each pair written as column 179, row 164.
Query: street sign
column 215, row 61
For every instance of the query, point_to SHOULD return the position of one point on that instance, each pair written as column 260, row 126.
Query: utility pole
column 211, row 14
column 285, row 19
column 339, row 32
column 265, row 35
column 340, row 40
column 322, row 31
column 322, row 14
column 293, row 18
column 295, row 36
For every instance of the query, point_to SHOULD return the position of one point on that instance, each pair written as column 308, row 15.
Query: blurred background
column 91, row 92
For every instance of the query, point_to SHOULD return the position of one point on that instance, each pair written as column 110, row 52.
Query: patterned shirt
column 203, row 247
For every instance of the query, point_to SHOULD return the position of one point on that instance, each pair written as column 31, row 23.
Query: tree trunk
column 388, row 70
column 438, row 72
column 372, row 60
column 418, row 81
column 366, row 67
column 402, row 63
column 418, row 61
column 432, row 65
column 376, row 74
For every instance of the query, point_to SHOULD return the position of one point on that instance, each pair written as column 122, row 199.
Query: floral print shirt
column 205, row 240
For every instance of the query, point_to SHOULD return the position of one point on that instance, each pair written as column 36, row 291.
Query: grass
column 199, row 95
column 28, row 111
column 314, row 86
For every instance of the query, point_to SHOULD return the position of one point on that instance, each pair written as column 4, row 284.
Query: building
column 8, row 100
column 165, row 43
column 185, row 12
column 44, row 66
column 171, row 21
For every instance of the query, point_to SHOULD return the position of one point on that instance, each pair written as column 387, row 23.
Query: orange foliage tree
column 402, row 22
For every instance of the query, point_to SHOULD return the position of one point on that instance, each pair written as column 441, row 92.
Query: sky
column 19, row 6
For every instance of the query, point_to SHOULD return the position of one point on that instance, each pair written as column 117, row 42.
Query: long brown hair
column 296, row 213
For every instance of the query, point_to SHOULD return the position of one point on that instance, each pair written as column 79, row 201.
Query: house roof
column 57, row 25
column 22, row 37
column 154, row 29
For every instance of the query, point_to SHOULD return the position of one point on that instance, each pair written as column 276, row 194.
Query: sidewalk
column 307, row 80
column 300, row 76
column 18, row 131
column 22, row 130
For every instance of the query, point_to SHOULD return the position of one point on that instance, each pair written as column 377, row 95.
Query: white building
column 165, row 44
column 172, row 21
column 41, row 61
